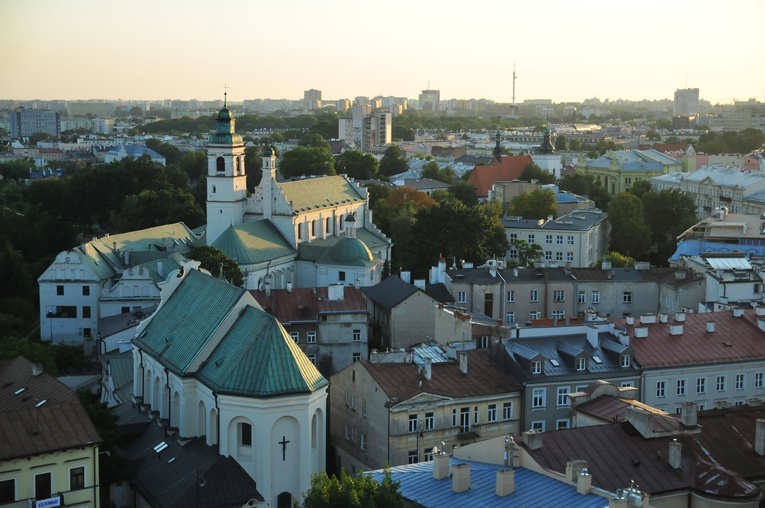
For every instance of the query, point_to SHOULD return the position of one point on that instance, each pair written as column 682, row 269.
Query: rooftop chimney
column 463, row 361
column 574, row 468
column 676, row 329
column 37, row 369
column 630, row 320
column 533, row 439
column 289, row 286
column 680, row 317
column 584, row 482
column 335, row 292
column 648, row 319
column 710, row 326
column 428, row 368
column 641, row 419
column 641, row 332
column 689, row 414
column 406, row 277
column 759, row 311
column 759, row 436
column 461, row 477
column 675, row 454
column 738, row 311
column 440, row 464
column 505, row 482
column 663, row 317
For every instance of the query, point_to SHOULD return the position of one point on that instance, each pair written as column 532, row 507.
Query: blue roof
column 696, row 247
column 532, row 490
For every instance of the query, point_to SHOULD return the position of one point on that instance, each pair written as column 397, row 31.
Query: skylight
column 20, row 390
column 161, row 446
column 554, row 362
column 597, row 360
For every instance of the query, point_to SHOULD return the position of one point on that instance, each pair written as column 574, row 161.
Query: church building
column 211, row 362
column 310, row 232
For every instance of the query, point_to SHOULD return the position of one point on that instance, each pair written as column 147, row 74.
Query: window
column 581, row 297
column 559, row 240
column 570, row 240
column 363, row 442
column 538, row 425
column 701, row 385
column 483, row 342
column 661, row 389
column 627, row 384
column 86, row 312
column 465, row 419
column 596, row 297
column 681, row 387
column 461, row 297
column 313, row 228
column 720, row 384
column 534, row 314
column 548, row 239
column 412, row 423
column 356, row 357
column 312, row 358
column 536, row 367
column 740, row 381
column 561, row 424
column 310, row 337
column 548, row 255
column 430, row 421
column 559, row 295
column 538, row 398
column 507, row 411
column 356, row 335
column 510, row 317
column 300, row 231
column 347, row 398
column 42, row 485
column 412, row 458
column 513, row 237
column 85, row 290
column 87, row 332
column 531, row 238
column 510, row 298
column 758, row 380
column 475, row 415
column 245, row 434
column 581, row 363
column 558, row 256
column 558, row 314
column 341, row 276
column 625, row 360
column 295, row 336
column 562, row 392
column 77, row 478
column 454, row 417
column 364, row 408
column 533, row 295
column 7, row 491
column 347, row 432
column 570, row 256
column 627, row 297
column 491, row 414
column 428, row 455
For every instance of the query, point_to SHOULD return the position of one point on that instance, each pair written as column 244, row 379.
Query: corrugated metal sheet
column 729, row 263
column 435, row 353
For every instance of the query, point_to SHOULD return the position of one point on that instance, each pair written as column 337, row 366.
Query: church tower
column 226, row 177
column 497, row 152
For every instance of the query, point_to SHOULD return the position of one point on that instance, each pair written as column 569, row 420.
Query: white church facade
column 212, row 363
column 285, row 234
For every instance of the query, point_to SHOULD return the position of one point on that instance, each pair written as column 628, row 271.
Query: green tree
column 34, row 351
column 660, row 206
column 194, row 164
column 561, row 143
column 586, row 185
column 630, row 235
column 16, row 170
column 640, row 187
column 617, row 260
column 377, row 192
column 464, row 192
column 358, row 491
column 307, row 161
column 527, row 252
column 393, row 162
column 652, row 135
column 152, row 208
column 575, row 145
column 315, row 140
column 213, row 260
column 358, row 165
column 41, row 136
column 536, row 204
column 533, row 172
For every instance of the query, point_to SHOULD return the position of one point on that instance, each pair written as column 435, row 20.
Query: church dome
column 268, row 151
column 225, row 132
column 350, row 251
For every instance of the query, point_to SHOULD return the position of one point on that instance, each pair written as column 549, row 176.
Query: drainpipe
column 169, row 397
column 547, row 281
column 143, row 378
column 502, row 297
column 96, row 493
column 217, row 424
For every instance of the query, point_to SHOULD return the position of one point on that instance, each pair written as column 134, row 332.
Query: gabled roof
column 390, row 292
column 532, row 489
column 321, row 192
column 258, row 358
column 509, row 168
column 253, row 242
column 185, row 323
column 38, row 414
column 735, row 339
column 405, row 381
column 307, row 304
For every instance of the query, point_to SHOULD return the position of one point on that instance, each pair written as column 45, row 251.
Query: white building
column 366, row 129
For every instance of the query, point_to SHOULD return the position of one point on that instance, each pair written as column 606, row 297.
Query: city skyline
column 564, row 51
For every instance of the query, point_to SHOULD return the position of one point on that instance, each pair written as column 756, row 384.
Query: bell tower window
column 220, row 165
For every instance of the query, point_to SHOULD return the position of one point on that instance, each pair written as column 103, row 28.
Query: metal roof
column 253, row 242
column 737, row 263
column 322, row 192
column 532, row 489
column 390, row 292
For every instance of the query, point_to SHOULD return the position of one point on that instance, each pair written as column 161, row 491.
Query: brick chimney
column 689, row 414
column 574, row 468
column 533, row 439
column 461, row 477
column 675, row 454
column 428, row 368
column 462, row 355
column 505, row 482
column 584, row 482
column 759, row 436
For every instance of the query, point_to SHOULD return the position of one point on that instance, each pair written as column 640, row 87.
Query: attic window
column 554, row 362
column 580, row 363
column 536, row 367
column 41, row 402
column 597, row 360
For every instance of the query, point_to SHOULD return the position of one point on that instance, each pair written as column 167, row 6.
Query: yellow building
column 619, row 170
column 48, row 445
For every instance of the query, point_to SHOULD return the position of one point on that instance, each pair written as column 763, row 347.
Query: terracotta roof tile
column 509, row 168
column 307, row 304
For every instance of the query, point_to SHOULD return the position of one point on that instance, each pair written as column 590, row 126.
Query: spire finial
column 225, row 94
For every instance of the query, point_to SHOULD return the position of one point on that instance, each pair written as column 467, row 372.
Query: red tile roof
column 509, row 168
column 306, row 304
column 734, row 339
column 404, row 380
column 28, row 427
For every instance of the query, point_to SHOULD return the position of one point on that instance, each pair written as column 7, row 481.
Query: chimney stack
column 663, row 317
column 461, row 477
column 440, row 464
column 428, row 368
column 710, row 326
column 676, row 329
column 505, row 482
column 675, row 454
column 759, row 436
column 680, row 317
column 37, row 369
column 689, row 414
column 463, row 361
column 574, row 468
column 584, row 482
column 533, row 439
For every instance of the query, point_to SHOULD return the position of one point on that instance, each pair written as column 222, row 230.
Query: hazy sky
column 563, row 50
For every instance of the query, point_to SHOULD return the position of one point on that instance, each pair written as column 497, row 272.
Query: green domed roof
column 350, row 251
column 225, row 131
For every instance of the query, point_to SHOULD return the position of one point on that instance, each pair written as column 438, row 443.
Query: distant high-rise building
column 25, row 122
column 430, row 100
column 312, row 99
column 366, row 128
column 686, row 102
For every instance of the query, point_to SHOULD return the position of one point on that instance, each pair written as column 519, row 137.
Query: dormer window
column 625, row 360
column 536, row 367
column 580, row 363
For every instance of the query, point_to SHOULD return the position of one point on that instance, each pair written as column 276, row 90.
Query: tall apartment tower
column 430, row 100
column 366, row 128
column 312, row 99
column 686, row 102
column 25, row 122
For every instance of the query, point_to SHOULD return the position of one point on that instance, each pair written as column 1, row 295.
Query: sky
column 562, row 50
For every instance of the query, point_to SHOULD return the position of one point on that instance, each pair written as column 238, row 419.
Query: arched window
column 220, row 165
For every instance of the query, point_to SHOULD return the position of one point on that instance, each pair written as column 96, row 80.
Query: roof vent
column 648, row 318
column 710, row 326
column 641, row 332
column 680, row 316
column 676, row 329
column 663, row 317
column 630, row 320
column 738, row 311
